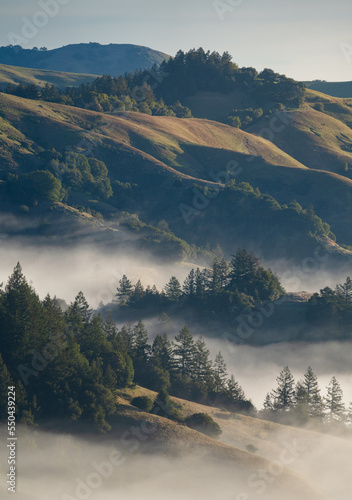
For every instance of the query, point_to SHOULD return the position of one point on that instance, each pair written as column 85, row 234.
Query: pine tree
column 345, row 290
column 124, row 290
column 173, row 289
column 349, row 416
column 137, row 294
column 243, row 270
column 313, row 396
column 189, row 285
column 162, row 353
column 83, row 308
column 219, row 373
column 268, row 402
column 334, row 402
column 202, row 364
column 284, row 395
column 234, row 390
column 140, row 346
column 184, row 349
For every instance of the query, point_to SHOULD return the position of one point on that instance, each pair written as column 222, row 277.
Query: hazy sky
column 300, row 38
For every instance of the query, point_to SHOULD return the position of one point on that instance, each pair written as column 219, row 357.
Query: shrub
column 143, row 402
column 202, row 422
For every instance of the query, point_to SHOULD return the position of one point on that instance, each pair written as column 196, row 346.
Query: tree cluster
column 161, row 90
column 332, row 309
column 302, row 403
column 63, row 365
column 183, row 367
column 219, row 291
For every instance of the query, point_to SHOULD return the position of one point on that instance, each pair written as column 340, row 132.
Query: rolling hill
column 86, row 58
column 265, row 439
column 15, row 75
column 336, row 89
column 160, row 161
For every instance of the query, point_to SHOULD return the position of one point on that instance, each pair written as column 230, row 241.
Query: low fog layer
column 61, row 467
column 256, row 368
column 66, row 271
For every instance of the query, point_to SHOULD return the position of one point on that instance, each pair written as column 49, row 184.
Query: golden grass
column 16, row 74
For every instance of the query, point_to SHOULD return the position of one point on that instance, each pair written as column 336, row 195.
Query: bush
column 165, row 407
column 143, row 403
column 202, row 422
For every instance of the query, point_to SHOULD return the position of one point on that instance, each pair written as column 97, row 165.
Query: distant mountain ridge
column 87, row 58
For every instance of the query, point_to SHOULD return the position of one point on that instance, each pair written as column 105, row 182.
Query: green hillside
column 153, row 164
column 14, row 75
column 336, row 89
column 85, row 58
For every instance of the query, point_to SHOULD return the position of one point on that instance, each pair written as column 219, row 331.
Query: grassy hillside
column 240, row 433
column 154, row 164
column 86, row 58
column 336, row 89
column 15, row 75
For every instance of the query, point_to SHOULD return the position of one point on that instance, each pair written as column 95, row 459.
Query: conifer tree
column 313, row 396
column 173, row 289
column 334, row 402
column 184, row 349
column 234, row 390
column 202, row 363
column 219, row 373
column 124, row 290
column 284, row 394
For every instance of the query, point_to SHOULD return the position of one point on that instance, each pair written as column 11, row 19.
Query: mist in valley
column 69, row 468
column 303, row 465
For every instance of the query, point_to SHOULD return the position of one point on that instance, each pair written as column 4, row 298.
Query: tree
column 184, row 350
column 173, row 289
column 204, row 423
column 164, row 406
column 334, row 402
column 83, row 308
column 162, row 353
column 219, row 373
column 124, row 290
column 202, row 363
column 313, row 397
column 189, row 285
column 140, row 346
column 345, row 290
column 268, row 402
column 234, row 390
column 284, row 394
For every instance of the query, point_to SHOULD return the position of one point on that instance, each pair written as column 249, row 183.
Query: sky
column 304, row 39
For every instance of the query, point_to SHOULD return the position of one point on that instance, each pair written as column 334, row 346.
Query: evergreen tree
column 184, row 349
column 268, row 402
column 164, row 406
column 137, row 294
column 173, row 289
column 349, row 416
column 162, row 353
column 83, row 308
column 219, row 373
column 284, row 394
column 345, row 290
column 202, row 364
column 124, row 290
column 234, row 390
column 313, row 397
column 189, row 285
column 334, row 402
column 140, row 346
